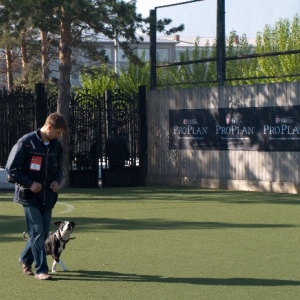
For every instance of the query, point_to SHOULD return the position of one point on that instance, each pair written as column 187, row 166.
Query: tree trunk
column 64, row 95
column 25, row 59
column 45, row 59
column 9, row 72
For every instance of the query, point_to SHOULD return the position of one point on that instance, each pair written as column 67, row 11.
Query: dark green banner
column 275, row 128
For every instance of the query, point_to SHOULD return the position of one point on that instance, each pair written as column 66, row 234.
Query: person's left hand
column 54, row 186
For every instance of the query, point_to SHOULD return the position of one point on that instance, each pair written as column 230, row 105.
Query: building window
column 121, row 56
column 162, row 55
column 108, row 53
column 145, row 52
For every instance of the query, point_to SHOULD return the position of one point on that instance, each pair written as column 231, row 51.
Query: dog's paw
column 65, row 270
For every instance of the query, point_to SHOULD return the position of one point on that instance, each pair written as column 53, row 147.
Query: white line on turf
column 68, row 209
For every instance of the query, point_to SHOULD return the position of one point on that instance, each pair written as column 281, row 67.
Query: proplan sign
column 255, row 128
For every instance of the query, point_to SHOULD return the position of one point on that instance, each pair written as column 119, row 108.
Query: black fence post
column 221, row 42
column 153, row 20
column 143, row 134
column 109, row 111
column 40, row 105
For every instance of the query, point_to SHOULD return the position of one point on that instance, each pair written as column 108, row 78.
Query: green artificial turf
column 163, row 243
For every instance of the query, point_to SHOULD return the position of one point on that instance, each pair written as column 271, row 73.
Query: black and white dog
column 56, row 242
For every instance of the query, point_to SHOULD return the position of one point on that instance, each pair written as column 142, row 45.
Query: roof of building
column 184, row 41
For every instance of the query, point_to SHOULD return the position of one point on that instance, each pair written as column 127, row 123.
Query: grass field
column 163, row 243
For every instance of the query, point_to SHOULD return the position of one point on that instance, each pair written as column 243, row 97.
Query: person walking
column 35, row 166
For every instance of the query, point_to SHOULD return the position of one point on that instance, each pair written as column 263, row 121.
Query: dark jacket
column 31, row 160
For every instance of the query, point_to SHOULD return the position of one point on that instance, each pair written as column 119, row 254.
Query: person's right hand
column 36, row 187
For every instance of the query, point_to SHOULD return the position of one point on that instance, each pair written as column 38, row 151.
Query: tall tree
column 9, row 19
column 17, row 36
column 98, row 80
column 115, row 19
column 118, row 20
column 284, row 35
column 238, row 46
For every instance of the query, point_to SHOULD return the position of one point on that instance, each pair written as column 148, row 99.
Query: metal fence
column 91, row 120
column 232, row 54
column 17, row 117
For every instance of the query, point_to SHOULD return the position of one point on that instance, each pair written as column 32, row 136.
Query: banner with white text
column 275, row 128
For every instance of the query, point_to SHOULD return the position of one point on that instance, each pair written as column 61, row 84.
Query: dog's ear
column 73, row 224
column 57, row 223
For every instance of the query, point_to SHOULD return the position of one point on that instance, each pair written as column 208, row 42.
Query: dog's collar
column 58, row 235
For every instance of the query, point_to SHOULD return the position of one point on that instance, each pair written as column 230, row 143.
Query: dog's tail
column 25, row 237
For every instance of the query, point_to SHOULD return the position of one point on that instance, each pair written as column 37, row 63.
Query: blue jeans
column 38, row 226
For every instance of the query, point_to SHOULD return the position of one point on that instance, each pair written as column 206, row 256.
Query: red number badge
column 36, row 163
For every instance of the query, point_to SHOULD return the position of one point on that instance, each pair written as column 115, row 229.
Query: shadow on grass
column 160, row 224
column 16, row 225
column 174, row 194
column 11, row 225
column 124, row 277
column 185, row 194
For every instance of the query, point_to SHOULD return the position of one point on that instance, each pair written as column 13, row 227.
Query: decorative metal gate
column 17, row 117
column 85, row 150
column 92, row 120
column 21, row 111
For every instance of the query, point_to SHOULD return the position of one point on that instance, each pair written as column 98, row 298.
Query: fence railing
column 218, row 63
column 91, row 120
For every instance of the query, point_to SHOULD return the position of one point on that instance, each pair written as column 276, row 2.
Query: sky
column 245, row 17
